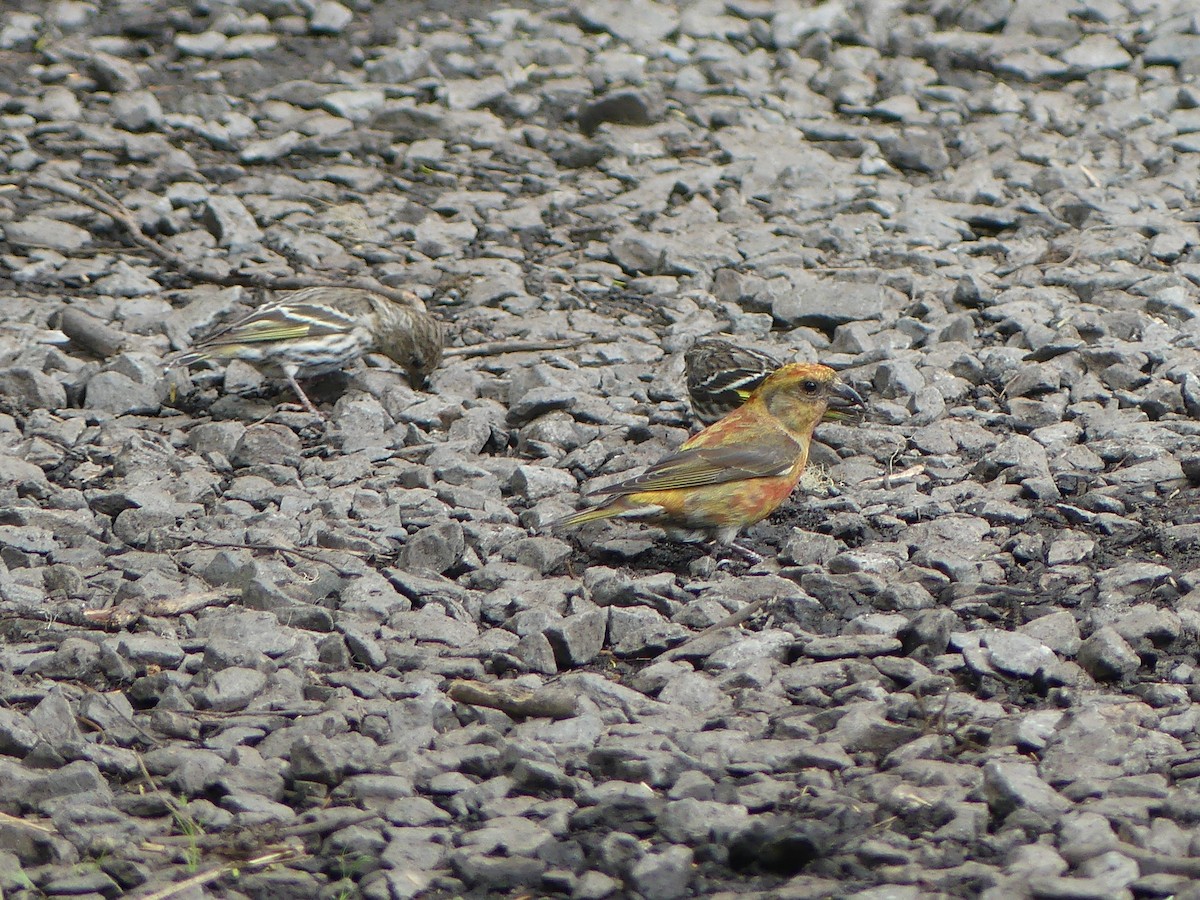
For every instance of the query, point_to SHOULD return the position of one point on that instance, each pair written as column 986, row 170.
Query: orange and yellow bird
column 736, row 471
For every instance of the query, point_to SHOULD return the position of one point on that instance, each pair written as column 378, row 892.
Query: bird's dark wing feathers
column 740, row 380
column 283, row 320
column 702, row 466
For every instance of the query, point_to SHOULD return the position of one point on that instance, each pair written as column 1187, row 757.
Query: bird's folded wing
column 283, row 322
column 740, row 380
column 770, row 455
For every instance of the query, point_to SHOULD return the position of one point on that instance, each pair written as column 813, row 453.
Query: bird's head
column 413, row 339
column 423, row 357
column 801, row 394
column 418, row 349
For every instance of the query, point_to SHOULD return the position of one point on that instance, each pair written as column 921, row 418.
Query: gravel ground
column 284, row 658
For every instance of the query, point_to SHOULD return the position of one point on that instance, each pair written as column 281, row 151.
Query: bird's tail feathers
column 605, row 511
column 184, row 358
column 584, row 515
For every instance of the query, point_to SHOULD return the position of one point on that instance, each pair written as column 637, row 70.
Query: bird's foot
column 301, row 407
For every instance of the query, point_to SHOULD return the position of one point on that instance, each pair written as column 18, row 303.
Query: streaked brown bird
column 736, row 471
column 323, row 329
column 721, row 376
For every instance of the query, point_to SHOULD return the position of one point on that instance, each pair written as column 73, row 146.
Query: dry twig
column 95, row 197
column 217, row 872
column 729, row 621
column 27, row 823
column 495, row 348
column 892, row 479
column 514, row 702
column 123, row 615
column 310, row 555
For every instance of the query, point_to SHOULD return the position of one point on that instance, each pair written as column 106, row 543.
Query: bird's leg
column 305, row 403
column 308, row 404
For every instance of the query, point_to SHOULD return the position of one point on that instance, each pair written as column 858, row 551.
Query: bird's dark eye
column 810, row 387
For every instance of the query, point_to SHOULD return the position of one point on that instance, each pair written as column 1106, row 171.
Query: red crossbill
column 736, row 471
column 323, row 329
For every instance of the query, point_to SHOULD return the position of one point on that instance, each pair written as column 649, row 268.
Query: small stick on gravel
column 892, row 480
column 118, row 712
column 736, row 618
column 218, row 872
column 235, row 714
column 310, row 555
column 236, row 839
column 106, row 203
column 120, row 616
column 1074, row 255
column 1090, row 176
column 326, row 825
column 26, row 823
column 66, row 614
column 514, row 702
column 495, row 348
